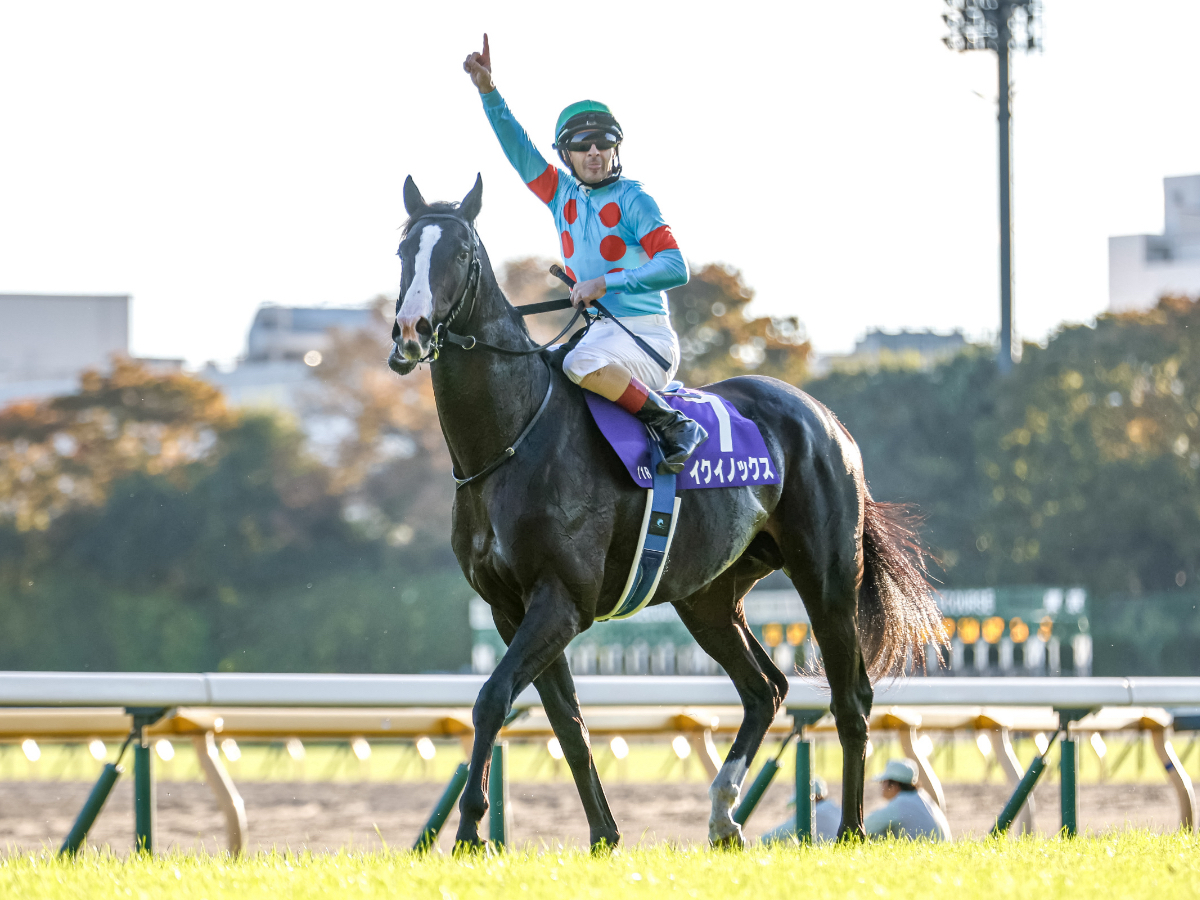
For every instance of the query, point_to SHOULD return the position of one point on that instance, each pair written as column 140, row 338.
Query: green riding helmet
column 580, row 115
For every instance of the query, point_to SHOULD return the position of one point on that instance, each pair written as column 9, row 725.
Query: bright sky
column 207, row 158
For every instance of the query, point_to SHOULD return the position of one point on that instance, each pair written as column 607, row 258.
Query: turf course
column 1128, row 864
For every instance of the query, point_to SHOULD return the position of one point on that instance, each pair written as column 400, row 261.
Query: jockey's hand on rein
column 584, row 292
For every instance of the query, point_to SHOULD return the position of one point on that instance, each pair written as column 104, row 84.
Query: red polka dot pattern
column 612, row 248
column 568, row 245
column 614, row 271
column 570, row 213
column 609, row 216
column 571, row 274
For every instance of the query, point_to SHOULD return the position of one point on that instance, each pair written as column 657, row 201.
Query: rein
column 442, row 334
column 511, row 450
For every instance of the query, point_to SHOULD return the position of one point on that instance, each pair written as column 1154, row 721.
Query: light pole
column 1002, row 26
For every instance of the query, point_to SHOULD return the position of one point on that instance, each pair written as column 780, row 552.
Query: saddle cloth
column 733, row 456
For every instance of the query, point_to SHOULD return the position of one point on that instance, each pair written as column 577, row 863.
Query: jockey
column 616, row 247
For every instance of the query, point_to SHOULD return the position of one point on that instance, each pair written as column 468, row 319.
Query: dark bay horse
column 547, row 537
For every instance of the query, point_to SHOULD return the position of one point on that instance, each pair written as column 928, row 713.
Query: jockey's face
column 592, row 165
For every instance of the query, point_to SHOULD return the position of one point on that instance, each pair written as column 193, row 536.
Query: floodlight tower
column 1002, row 26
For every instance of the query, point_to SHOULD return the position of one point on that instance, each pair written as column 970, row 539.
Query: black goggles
column 583, row 141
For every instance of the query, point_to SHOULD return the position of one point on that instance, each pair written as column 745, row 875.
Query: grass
column 1126, row 865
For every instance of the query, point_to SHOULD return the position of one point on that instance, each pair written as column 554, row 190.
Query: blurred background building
column 284, row 345
column 48, row 340
column 1144, row 267
column 913, row 349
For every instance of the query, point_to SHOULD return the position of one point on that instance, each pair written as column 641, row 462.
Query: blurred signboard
column 991, row 631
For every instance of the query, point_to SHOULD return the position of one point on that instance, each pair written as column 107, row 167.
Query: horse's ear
column 473, row 202
column 413, row 201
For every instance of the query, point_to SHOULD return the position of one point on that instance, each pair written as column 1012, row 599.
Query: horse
column 545, row 521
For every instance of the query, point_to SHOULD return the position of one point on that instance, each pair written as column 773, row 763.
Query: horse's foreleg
column 557, row 690
column 550, row 622
column 724, row 636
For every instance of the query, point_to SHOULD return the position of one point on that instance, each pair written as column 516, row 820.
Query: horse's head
column 440, row 255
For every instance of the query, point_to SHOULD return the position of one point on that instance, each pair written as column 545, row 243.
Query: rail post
column 498, row 795
column 762, row 781
column 1068, row 769
column 91, row 809
column 143, row 776
column 441, row 812
column 805, row 807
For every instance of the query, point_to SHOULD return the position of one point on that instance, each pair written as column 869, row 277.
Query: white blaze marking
column 418, row 299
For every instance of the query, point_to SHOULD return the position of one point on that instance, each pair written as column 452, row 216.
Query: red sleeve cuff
column 657, row 240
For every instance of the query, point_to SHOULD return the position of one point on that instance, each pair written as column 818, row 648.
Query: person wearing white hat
column 827, row 816
column 909, row 813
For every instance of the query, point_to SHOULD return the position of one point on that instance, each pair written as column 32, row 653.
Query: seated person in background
column 909, row 813
column 828, row 816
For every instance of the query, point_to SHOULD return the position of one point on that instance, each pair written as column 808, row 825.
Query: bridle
column 441, row 331
column 443, row 335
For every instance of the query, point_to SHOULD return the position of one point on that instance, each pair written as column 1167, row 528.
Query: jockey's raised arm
column 615, row 245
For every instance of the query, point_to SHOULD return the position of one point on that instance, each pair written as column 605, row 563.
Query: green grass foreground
column 1127, row 864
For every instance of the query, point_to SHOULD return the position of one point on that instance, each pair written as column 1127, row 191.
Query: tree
column 719, row 339
column 59, row 454
column 382, row 439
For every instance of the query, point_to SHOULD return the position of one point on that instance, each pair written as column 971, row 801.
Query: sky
column 208, row 158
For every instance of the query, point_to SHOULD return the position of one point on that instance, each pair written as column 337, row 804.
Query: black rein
column 470, row 342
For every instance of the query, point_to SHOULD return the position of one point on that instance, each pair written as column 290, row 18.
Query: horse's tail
column 896, row 610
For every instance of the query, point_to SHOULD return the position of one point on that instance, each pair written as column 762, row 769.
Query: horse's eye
column 463, row 255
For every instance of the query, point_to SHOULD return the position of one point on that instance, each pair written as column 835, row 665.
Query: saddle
column 737, row 457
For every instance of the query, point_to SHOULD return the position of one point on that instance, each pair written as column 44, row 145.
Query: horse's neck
column 484, row 398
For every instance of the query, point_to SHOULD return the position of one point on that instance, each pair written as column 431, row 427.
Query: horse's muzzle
column 399, row 363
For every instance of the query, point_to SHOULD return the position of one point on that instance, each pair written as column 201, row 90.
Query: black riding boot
column 678, row 436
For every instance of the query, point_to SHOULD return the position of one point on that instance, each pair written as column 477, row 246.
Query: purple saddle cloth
column 734, row 454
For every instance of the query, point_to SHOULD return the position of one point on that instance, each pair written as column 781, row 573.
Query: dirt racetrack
column 324, row 816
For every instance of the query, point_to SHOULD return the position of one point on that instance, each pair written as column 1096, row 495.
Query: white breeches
column 605, row 343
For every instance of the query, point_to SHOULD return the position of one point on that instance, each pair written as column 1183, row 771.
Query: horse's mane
column 441, row 206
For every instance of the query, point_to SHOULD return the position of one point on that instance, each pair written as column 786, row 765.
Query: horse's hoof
column 726, row 838
column 470, row 846
column 606, row 846
column 730, row 841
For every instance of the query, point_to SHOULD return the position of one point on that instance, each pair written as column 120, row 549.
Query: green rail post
column 498, row 795
column 1068, row 769
column 441, row 812
column 805, row 806
column 91, row 809
column 143, row 777
column 757, row 788
column 1024, row 788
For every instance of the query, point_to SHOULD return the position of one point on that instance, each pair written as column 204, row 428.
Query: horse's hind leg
column 557, row 690
column 544, row 633
column 827, row 578
column 716, row 620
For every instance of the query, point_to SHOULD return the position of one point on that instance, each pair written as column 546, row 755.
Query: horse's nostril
column 424, row 328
